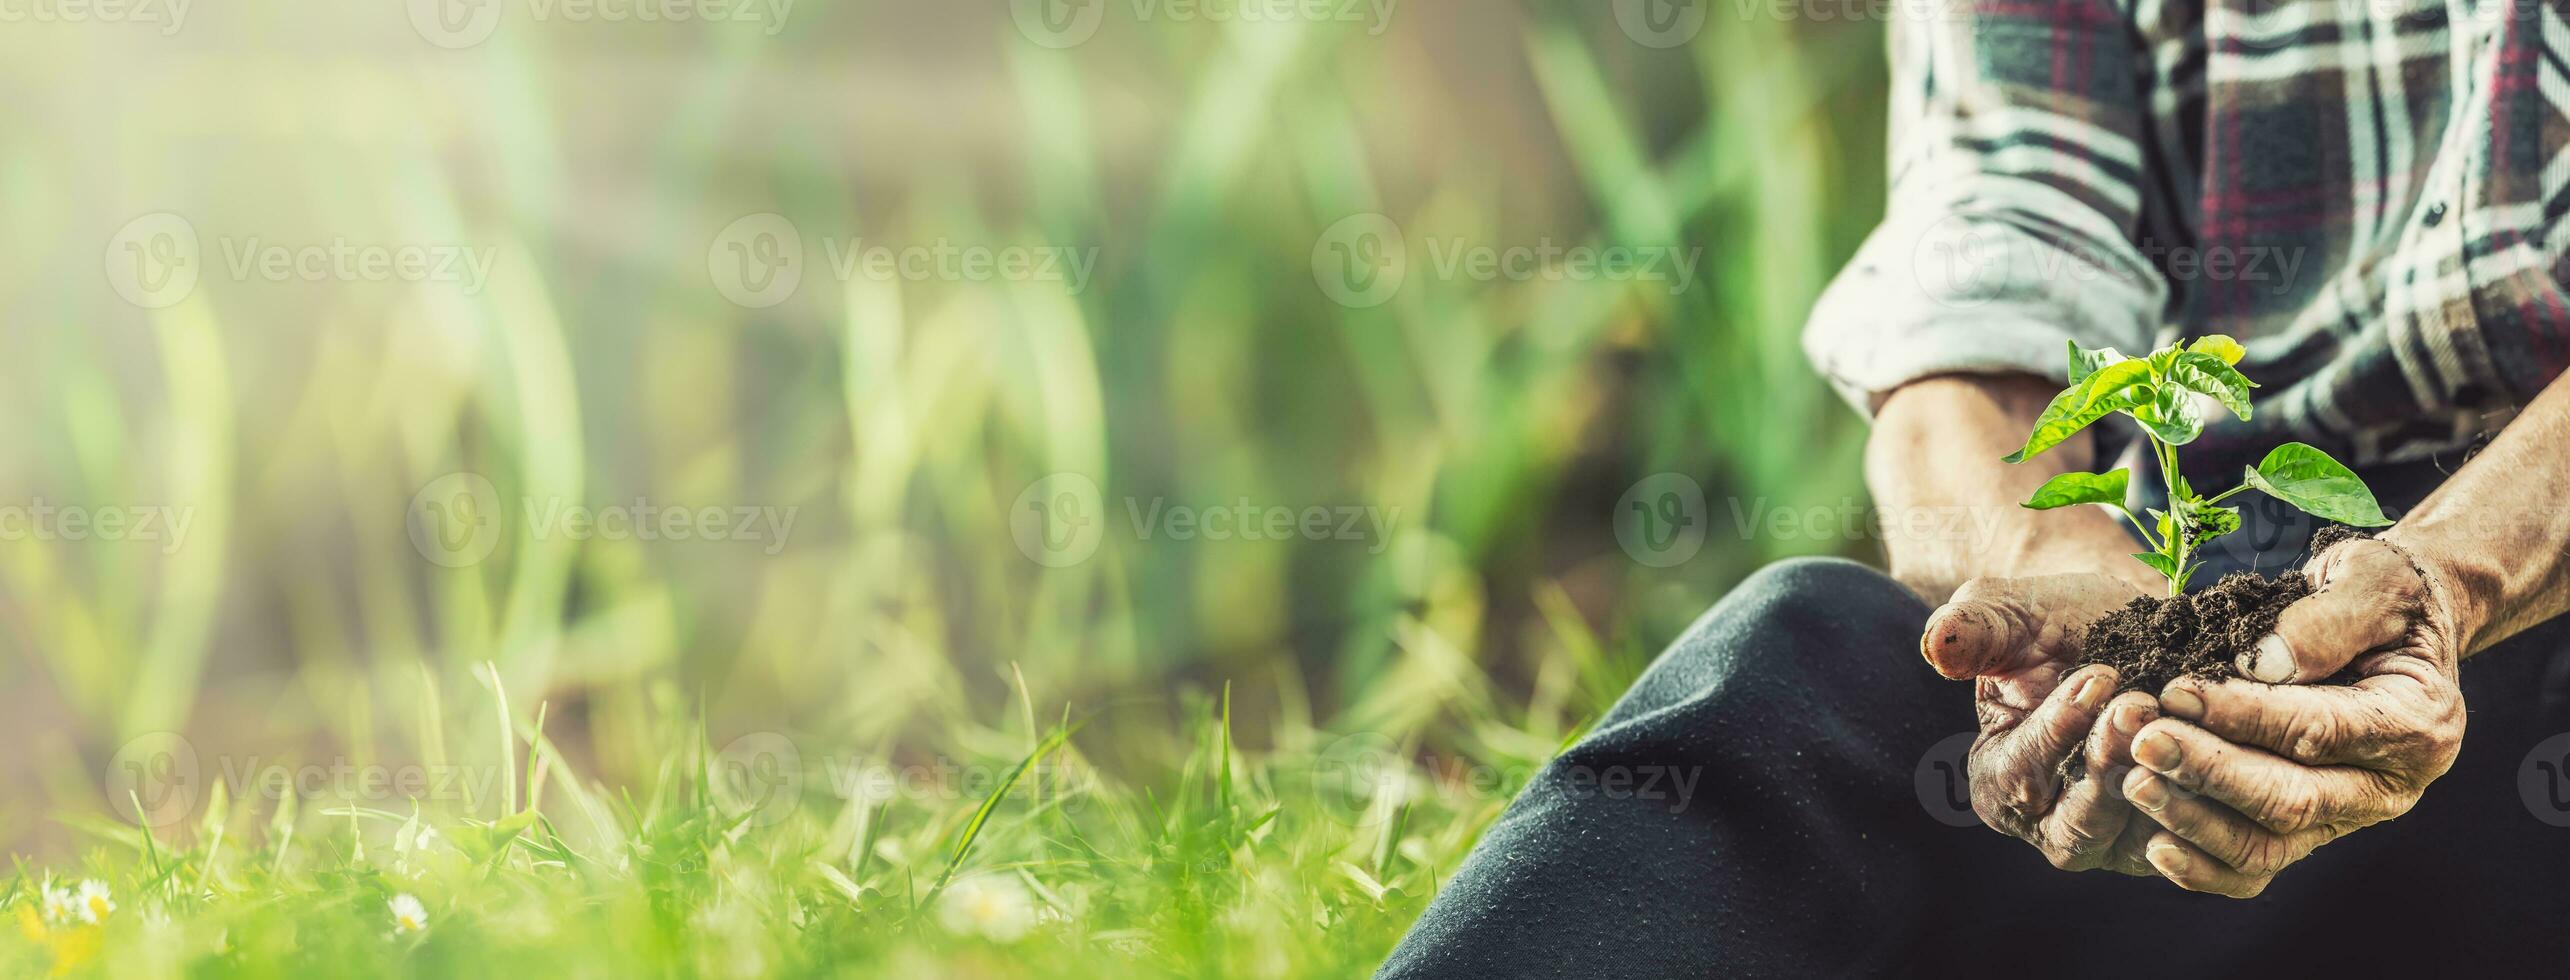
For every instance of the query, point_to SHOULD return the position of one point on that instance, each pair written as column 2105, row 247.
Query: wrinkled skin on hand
column 2018, row 639
column 2242, row 778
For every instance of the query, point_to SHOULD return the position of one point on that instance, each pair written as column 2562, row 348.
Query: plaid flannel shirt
column 2367, row 193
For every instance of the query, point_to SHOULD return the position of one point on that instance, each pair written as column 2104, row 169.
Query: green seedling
column 2161, row 392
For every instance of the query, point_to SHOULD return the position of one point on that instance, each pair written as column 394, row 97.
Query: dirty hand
column 2245, row 778
column 2019, row 637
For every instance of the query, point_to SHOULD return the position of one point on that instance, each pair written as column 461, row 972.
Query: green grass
column 1210, row 723
column 1234, row 863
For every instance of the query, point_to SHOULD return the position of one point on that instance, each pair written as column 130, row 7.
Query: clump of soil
column 2157, row 639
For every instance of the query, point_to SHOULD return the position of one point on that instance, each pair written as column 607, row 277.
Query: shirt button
column 2436, row 214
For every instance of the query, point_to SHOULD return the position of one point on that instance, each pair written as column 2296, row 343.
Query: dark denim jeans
column 1827, row 832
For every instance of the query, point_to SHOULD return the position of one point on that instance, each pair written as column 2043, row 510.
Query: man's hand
column 2019, row 637
column 2246, row 778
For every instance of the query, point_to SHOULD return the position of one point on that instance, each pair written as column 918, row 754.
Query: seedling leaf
column 2171, row 414
column 2220, row 346
column 2108, row 389
column 2165, row 392
column 2318, row 485
column 2081, row 488
column 2085, row 362
column 2199, row 371
column 2166, row 565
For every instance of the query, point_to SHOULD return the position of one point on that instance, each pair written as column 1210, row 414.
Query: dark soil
column 2157, row 639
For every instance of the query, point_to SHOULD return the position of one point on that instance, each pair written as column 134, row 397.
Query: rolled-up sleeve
column 2016, row 190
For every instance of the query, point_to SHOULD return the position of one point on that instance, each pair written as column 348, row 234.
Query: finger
column 2023, row 762
column 2314, row 726
column 1997, row 626
column 2110, row 746
column 2130, row 855
column 2090, row 816
column 2192, row 869
column 2214, row 829
column 2372, row 596
column 2281, row 795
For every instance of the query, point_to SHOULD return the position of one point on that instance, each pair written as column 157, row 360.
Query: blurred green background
column 309, row 419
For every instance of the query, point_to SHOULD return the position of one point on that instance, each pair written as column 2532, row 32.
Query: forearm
column 1950, row 505
column 2498, row 531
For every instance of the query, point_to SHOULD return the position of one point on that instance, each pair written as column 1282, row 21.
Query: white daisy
column 93, row 902
column 994, row 907
column 59, row 905
column 408, row 914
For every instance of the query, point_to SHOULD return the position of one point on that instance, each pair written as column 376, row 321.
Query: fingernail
column 2092, row 692
column 2170, row 859
column 2131, row 719
column 2156, row 751
column 2149, row 794
column 2182, row 702
column 1958, row 631
column 2271, row 661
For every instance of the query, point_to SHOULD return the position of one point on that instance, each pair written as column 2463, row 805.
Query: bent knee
column 1796, row 624
column 1800, row 595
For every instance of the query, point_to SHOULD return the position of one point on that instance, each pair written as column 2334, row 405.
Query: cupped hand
column 2018, row 638
column 2244, row 778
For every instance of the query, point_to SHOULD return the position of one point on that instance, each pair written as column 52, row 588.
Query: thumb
column 2002, row 625
column 2369, row 596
